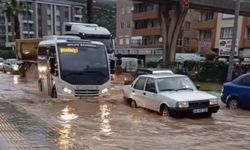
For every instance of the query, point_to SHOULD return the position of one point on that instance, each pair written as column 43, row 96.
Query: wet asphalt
column 30, row 120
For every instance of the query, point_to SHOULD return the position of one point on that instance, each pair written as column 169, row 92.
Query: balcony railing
column 203, row 25
column 147, row 31
column 145, row 15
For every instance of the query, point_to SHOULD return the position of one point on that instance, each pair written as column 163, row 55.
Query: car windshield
column 82, row 59
column 175, row 84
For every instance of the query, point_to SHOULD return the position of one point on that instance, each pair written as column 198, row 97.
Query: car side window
column 245, row 81
column 139, row 85
column 150, row 86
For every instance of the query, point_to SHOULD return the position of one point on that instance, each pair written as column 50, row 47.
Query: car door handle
column 144, row 93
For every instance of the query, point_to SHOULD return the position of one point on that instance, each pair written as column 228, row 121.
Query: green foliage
column 7, row 54
column 152, row 64
column 211, row 71
column 211, row 55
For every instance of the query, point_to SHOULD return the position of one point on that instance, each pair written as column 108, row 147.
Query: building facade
column 45, row 17
column 139, row 31
column 2, row 27
column 215, row 33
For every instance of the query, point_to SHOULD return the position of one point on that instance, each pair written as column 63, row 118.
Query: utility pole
column 234, row 38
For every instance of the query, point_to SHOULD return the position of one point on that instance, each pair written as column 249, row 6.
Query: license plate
column 202, row 110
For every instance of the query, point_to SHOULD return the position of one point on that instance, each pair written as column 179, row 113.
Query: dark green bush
column 152, row 64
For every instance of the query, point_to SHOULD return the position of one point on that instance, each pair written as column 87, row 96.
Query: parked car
column 1, row 64
column 142, row 71
column 170, row 95
column 12, row 65
column 236, row 93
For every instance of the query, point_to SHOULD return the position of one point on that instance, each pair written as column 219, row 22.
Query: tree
column 12, row 8
column 90, row 11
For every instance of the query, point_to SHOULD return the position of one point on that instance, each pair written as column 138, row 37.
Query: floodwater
column 109, row 124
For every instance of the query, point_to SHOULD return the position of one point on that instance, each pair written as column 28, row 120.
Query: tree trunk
column 17, row 27
column 90, row 11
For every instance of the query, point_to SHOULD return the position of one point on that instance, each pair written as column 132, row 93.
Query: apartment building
column 45, row 17
column 2, row 27
column 215, row 33
column 139, row 31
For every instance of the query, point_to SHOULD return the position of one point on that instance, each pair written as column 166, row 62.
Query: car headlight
column 104, row 91
column 15, row 67
column 182, row 104
column 67, row 90
column 213, row 102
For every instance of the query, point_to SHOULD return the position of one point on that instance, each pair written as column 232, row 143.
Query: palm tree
column 12, row 8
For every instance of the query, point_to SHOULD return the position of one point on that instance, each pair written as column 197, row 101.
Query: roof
column 54, row 41
column 91, row 29
column 157, row 76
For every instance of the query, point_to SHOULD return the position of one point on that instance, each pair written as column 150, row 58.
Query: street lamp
column 234, row 38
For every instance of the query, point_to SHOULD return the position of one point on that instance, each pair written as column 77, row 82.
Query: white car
column 170, row 95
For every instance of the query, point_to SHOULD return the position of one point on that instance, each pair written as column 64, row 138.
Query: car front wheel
column 233, row 104
column 164, row 111
column 133, row 104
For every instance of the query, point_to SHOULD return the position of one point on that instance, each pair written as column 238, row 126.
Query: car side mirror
column 198, row 86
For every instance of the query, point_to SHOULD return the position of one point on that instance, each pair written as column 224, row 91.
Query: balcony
column 204, row 25
column 246, row 43
column 147, row 31
column 149, row 15
column 148, row 46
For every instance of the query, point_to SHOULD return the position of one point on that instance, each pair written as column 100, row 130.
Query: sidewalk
column 10, row 138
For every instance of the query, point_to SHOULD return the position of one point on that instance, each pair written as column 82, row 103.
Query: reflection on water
column 15, row 79
column 66, row 138
column 105, row 127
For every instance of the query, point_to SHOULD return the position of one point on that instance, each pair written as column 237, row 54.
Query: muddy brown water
column 109, row 124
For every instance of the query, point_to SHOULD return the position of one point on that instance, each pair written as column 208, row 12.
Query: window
column 226, row 33
column 150, row 86
column 121, row 42
column 127, row 41
column 205, row 16
column 245, row 81
column 128, row 24
column 140, row 84
column 123, row 11
column 248, row 33
column 179, row 42
column 128, row 9
column 122, row 24
column 187, row 25
column 186, row 42
column 205, row 35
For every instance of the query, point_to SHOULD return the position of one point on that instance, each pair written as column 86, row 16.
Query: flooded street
column 39, row 122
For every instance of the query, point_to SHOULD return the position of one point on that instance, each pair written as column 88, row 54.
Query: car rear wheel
column 133, row 104
column 164, row 111
column 233, row 104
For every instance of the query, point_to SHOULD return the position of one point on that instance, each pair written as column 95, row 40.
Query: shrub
column 152, row 64
column 211, row 55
